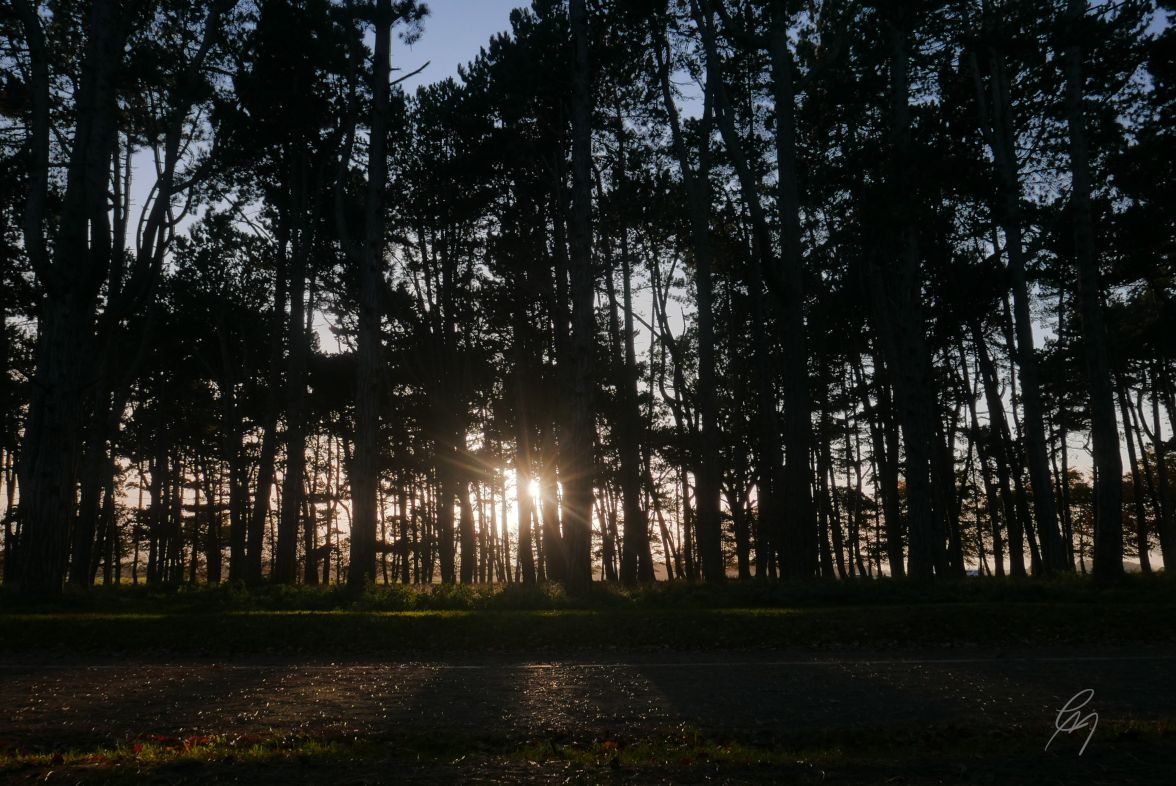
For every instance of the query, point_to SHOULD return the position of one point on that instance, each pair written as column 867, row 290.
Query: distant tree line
column 680, row 289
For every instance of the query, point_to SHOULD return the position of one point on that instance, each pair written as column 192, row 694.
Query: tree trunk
column 10, row 532
column 402, row 519
column 523, row 476
column 636, row 557
column 707, row 468
column 259, row 513
column 112, row 569
column 447, row 490
column 81, row 256
column 982, row 451
column 1000, row 132
column 212, row 538
column 1000, row 439
column 286, row 548
column 576, row 452
column 1108, row 520
column 94, row 458
column 898, row 320
column 1136, row 486
column 237, row 500
column 799, row 552
column 1165, row 524
column 466, row 533
column 365, row 467
column 884, row 436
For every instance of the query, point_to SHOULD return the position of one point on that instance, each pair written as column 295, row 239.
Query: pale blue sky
column 454, row 32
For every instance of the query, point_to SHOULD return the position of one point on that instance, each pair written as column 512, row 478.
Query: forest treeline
column 683, row 288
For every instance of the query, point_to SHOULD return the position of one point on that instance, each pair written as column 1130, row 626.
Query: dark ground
column 946, row 714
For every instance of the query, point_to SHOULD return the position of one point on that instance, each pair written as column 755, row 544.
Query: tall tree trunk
column 943, row 471
column 232, row 449
column 1136, row 487
column 466, row 533
column 884, row 437
column 212, row 538
column 285, row 570
column 1108, row 520
column 552, row 546
column 708, row 490
column 827, row 485
column 310, row 548
column 365, row 467
column 1000, row 440
column 112, row 569
column 10, row 532
column 898, row 319
column 523, row 470
column 155, row 514
column 81, row 256
column 982, row 451
column 671, row 556
column 1165, row 525
column 402, row 521
column 636, row 556
column 1000, row 133
column 741, row 529
column 557, row 426
column 576, row 452
column 447, row 490
column 799, row 552
column 94, row 458
column 255, row 536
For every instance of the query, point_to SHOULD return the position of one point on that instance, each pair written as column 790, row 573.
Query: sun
column 533, row 488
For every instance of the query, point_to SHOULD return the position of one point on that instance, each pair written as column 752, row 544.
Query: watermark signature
column 1071, row 718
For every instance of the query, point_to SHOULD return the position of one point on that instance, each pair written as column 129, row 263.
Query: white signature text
column 1071, row 718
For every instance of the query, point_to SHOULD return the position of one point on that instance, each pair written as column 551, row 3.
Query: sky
column 454, row 32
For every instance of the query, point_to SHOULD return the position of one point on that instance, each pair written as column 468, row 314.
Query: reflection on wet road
column 761, row 695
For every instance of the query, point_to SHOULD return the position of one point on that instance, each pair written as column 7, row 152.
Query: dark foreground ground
column 948, row 715
column 890, row 683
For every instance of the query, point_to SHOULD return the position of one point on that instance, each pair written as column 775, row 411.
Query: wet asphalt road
column 757, row 696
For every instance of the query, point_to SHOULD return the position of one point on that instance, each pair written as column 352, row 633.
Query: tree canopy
column 689, row 289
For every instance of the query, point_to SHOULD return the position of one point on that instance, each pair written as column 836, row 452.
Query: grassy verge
column 376, row 632
column 1134, row 751
column 874, row 614
column 661, row 595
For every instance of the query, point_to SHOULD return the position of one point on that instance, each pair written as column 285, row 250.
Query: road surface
column 491, row 701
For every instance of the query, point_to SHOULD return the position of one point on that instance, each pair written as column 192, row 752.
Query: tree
column 1108, row 517
column 364, row 471
column 83, row 258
